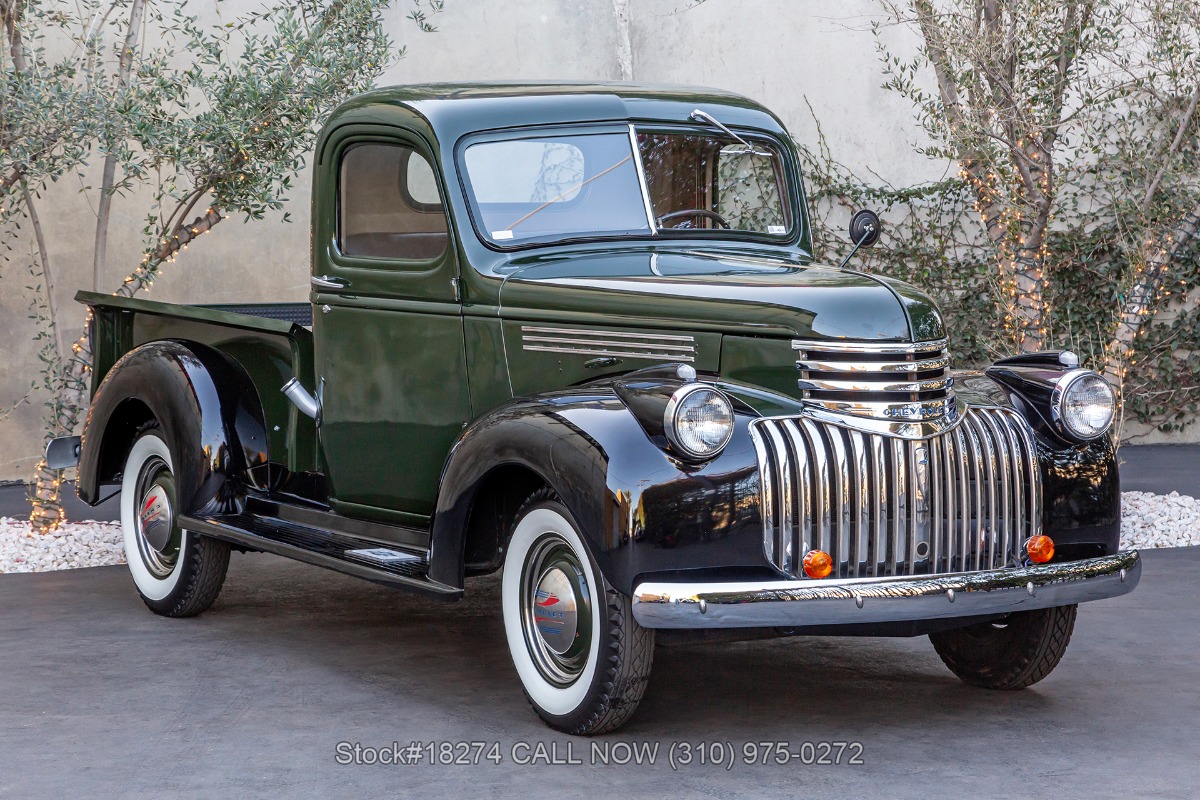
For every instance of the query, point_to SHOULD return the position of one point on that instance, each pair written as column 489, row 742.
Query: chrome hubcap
column 158, row 537
column 556, row 610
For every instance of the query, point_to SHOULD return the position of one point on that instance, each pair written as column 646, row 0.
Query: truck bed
column 270, row 342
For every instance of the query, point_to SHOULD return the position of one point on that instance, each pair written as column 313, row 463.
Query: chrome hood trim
column 910, row 429
column 899, row 384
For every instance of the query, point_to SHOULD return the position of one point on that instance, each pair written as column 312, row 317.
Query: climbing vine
column 932, row 239
column 1071, row 135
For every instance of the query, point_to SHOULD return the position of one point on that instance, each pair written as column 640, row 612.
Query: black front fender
column 640, row 509
column 208, row 411
column 1081, row 486
column 643, row 511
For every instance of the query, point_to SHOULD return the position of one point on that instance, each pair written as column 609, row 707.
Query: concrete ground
column 1161, row 468
column 101, row 698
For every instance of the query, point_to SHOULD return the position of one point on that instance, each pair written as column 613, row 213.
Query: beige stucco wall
column 784, row 53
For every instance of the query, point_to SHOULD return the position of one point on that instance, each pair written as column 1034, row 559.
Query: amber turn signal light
column 818, row 564
column 1040, row 549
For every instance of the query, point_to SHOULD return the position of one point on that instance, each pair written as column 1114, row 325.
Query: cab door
column 387, row 324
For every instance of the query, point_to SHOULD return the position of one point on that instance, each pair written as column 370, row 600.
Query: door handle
column 325, row 282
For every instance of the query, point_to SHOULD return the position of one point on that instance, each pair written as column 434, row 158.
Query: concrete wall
column 784, row 53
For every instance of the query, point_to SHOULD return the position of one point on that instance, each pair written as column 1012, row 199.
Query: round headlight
column 698, row 421
column 1084, row 404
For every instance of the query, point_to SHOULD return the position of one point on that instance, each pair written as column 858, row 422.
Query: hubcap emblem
column 554, row 611
column 155, row 518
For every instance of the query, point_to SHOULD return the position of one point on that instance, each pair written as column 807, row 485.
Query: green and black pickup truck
column 575, row 332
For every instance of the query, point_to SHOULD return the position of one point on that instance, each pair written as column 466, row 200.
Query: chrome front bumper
column 802, row 603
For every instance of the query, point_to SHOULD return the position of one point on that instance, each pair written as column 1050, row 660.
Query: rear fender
column 208, row 410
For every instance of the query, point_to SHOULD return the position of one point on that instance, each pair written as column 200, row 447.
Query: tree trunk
column 47, row 275
column 1019, row 263
column 1138, row 307
column 108, row 177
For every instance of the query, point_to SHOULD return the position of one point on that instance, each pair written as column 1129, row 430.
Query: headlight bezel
column 671, row 421
column 1058, row 398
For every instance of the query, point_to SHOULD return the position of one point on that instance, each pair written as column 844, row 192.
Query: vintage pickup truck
column 575, row 332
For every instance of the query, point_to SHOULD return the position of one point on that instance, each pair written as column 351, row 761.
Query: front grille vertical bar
column 1018, row 494
column 908, row 449
column 920, row 470
column 987, row 454
column 994, row 496
column 840, row 478
column 766, row 475
column 899, row 506
column 861, row 529
column 880, row 485
column 888, row 543
column 996, row 424
column 803, row 480
column 964, row 497
column 977, row 487
column 821, row 489
column 936, row 501
column 783, row 473
column 949, row 457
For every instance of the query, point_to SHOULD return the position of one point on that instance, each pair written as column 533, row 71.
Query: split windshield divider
column 641, row 176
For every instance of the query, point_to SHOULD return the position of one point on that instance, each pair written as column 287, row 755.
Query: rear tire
column 1012, row 654
column 582, row 658
column 178, row 573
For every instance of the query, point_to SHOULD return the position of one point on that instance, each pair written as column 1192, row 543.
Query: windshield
column 586, row 185
column 556, row 187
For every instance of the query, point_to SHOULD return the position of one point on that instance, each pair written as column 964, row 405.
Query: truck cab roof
column 452, row 110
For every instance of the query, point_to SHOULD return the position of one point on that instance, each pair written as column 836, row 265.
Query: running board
column 362, row 558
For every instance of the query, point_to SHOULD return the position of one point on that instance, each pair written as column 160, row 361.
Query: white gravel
column 1147, row 520
column 74, row 544
column 1159, row 520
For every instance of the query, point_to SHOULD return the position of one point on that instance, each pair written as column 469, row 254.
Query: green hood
column 735, row 293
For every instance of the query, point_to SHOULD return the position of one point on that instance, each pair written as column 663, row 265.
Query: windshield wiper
column 704, row 116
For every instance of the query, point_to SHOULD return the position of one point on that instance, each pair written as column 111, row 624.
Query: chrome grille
column 887, row 381
column 962, row 501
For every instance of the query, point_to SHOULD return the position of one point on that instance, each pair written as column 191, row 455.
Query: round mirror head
column 864, row 228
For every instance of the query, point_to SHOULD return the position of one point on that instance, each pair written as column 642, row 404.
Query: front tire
column 582, row 658
column 1017, row 652
column 177, row 573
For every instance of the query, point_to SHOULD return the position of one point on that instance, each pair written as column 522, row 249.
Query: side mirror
column 864, row 228
column 864, row 232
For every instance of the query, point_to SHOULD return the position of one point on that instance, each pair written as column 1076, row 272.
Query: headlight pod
column 698, row 421
column 1082, row 404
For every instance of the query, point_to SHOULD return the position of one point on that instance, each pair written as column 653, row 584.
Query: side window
column 388, row 204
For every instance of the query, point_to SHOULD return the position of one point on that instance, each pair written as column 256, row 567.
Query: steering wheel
column 694, row 212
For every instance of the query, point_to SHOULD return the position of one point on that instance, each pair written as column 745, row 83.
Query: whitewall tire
column 582, row 659
column 177, row 573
